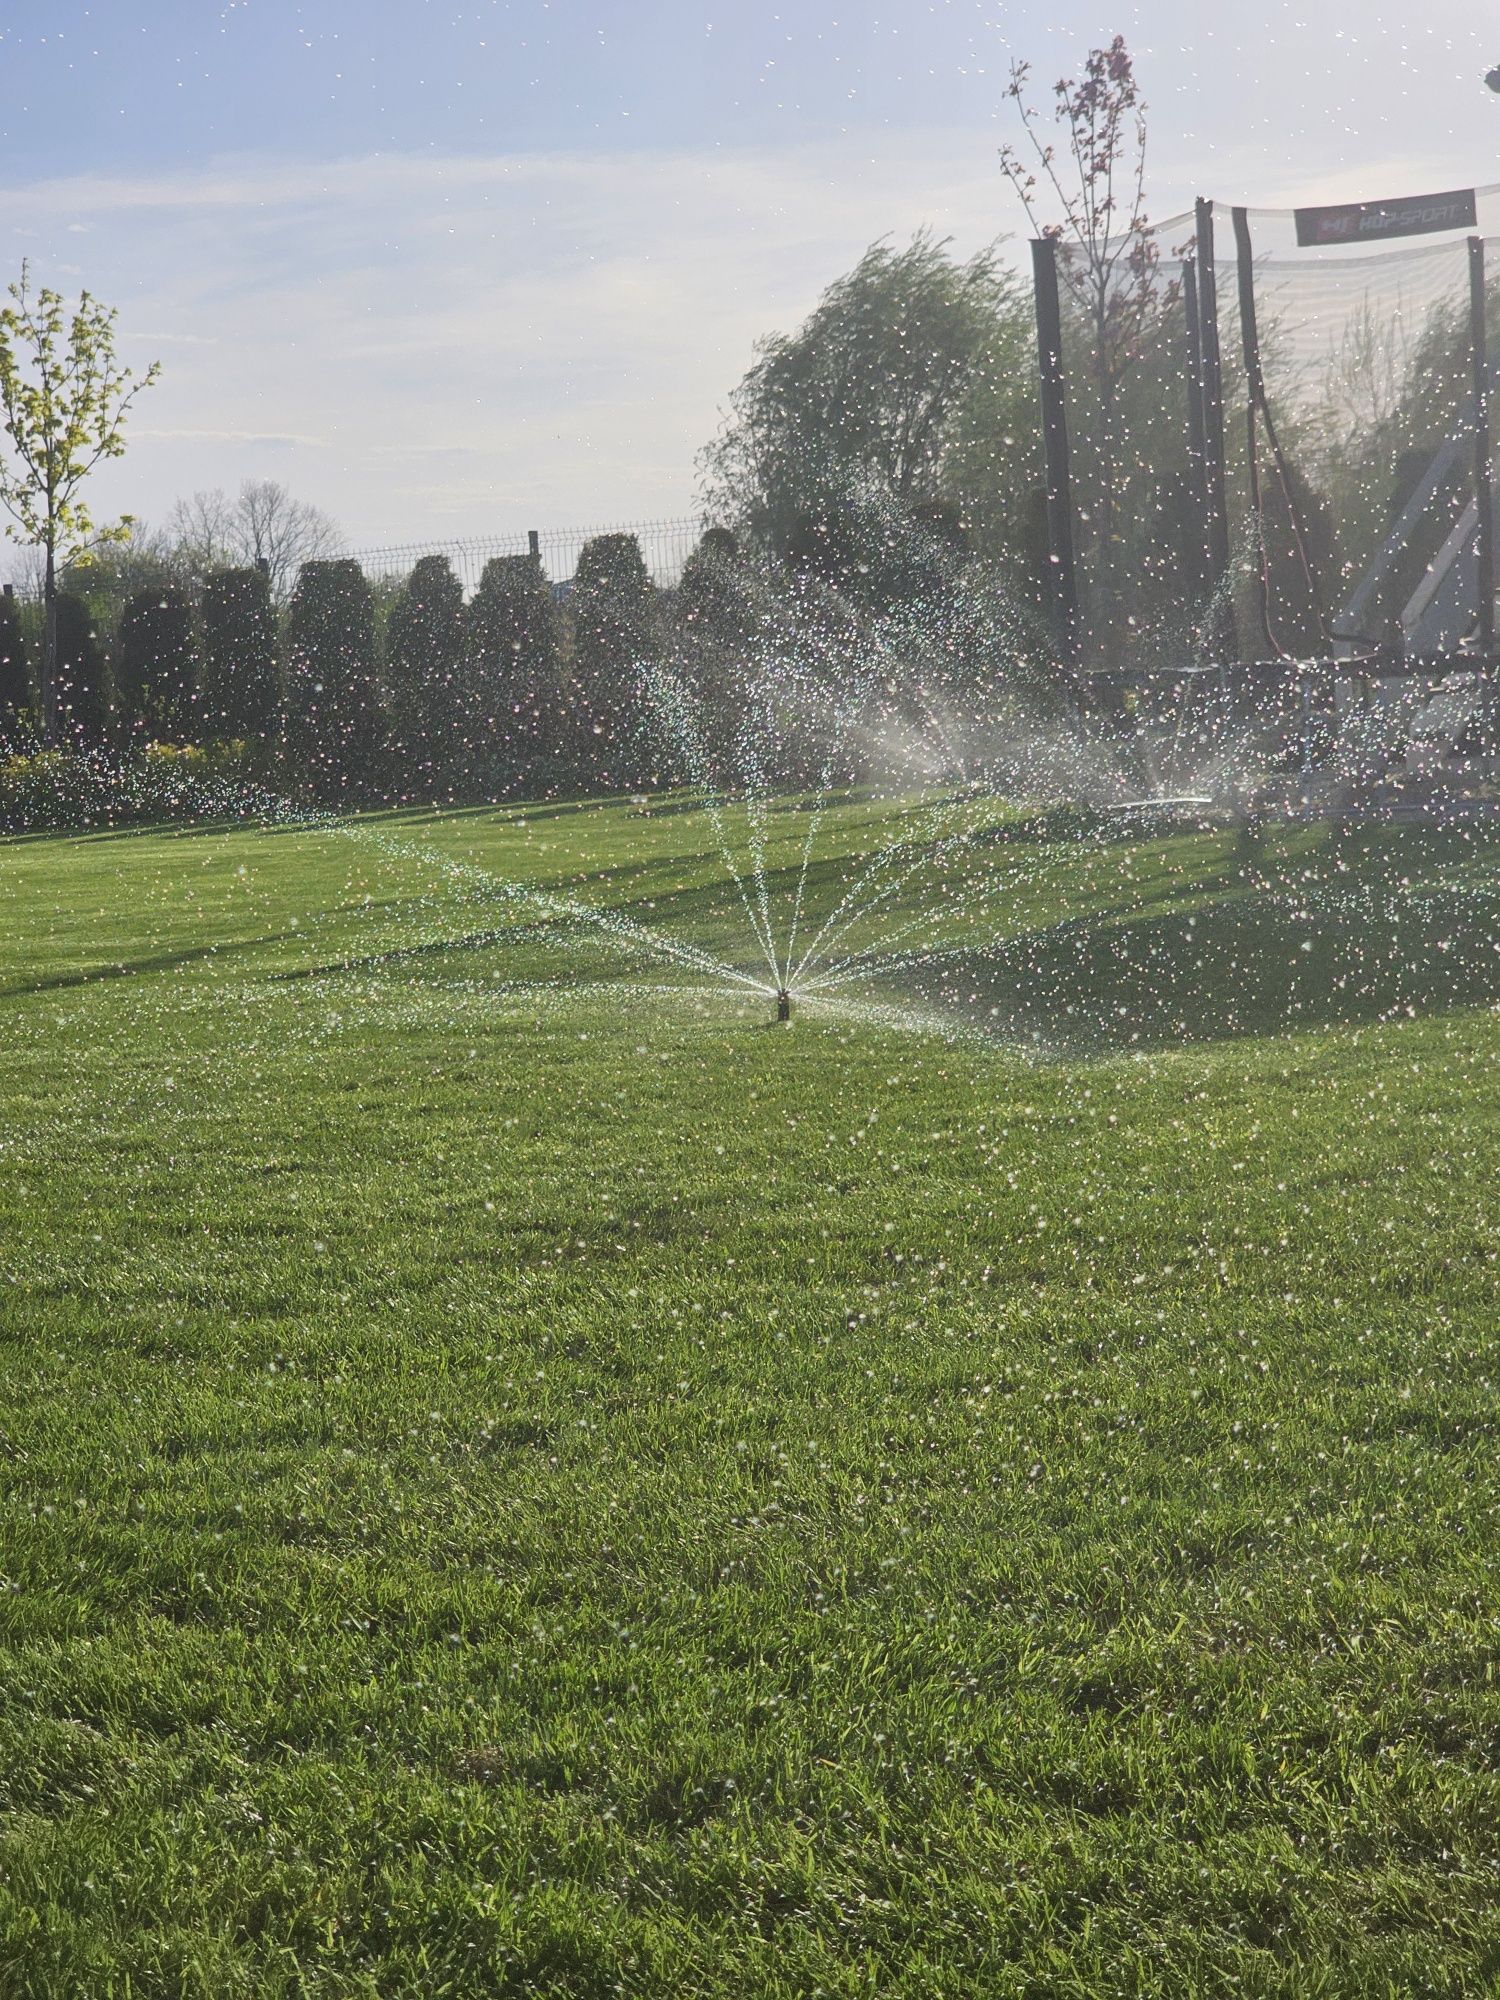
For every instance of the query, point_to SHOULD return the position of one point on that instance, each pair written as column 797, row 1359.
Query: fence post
column 1055, row 444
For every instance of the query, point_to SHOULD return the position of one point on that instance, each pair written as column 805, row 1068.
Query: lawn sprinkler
column 783, row 1004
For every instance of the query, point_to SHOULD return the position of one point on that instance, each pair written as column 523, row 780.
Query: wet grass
column 566, row 1489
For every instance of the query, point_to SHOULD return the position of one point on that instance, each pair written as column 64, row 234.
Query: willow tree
column 64, row 397
column 861, row 408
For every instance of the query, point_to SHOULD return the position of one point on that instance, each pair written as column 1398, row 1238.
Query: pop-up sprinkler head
column 783, row 1004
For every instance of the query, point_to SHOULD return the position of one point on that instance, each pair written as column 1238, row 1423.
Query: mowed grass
column 518, row 1477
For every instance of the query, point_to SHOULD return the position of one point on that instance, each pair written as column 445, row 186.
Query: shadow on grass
column 1114, row 945
column 1243, row 967
column 126, row 968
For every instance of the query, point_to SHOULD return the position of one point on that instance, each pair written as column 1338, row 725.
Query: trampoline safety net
column 1321, row 498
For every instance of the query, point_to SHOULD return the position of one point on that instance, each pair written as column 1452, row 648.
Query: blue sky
column 470, row 266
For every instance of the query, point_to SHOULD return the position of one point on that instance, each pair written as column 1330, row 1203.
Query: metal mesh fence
column 665, row 546
column 1141, row 558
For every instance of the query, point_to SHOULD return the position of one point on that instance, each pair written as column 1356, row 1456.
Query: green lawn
column 518, row 1477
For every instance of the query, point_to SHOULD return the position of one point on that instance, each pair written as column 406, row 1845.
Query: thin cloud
column 209, row 436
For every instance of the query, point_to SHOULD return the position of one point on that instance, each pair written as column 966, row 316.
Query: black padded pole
column 1195, row 369
column 1213, row 394
column 1255, row 403
column 1484, row 504
column 1244, row 258
column 1055, row 444
column 1195, row 548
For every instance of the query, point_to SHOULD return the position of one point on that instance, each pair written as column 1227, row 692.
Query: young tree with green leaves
column 64, row 398
column 1094, row 182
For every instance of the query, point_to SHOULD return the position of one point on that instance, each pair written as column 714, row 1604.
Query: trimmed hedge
column 239, row 691
column 78, row 791
column 156, row 663
column 429, row 682
column 335, row 726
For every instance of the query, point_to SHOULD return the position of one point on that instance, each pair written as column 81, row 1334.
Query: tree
column 156, row 664
column 866, row 397
column 81, row 691
column 238, row 692
column 712, row 601
column 520, row 717
column 15, row 672
column 281, row 532
column 717, row 607
column 706, row 589
column 201, row 533
column 263, row 524
column 64, row 397
column 333, row 709
column 992, row 466
column 615, row 638
column 109, row 574
column 426, row 679
column 1110, row 263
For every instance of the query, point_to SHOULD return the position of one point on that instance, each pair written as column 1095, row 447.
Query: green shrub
column 83, row 690
column 428, row 683
column 77, row 791
column 238, row 690
column 524, row 733
column 17, row 694
column 156, row 663
column 714, row 612
column 334, row 724
column 615, row 639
